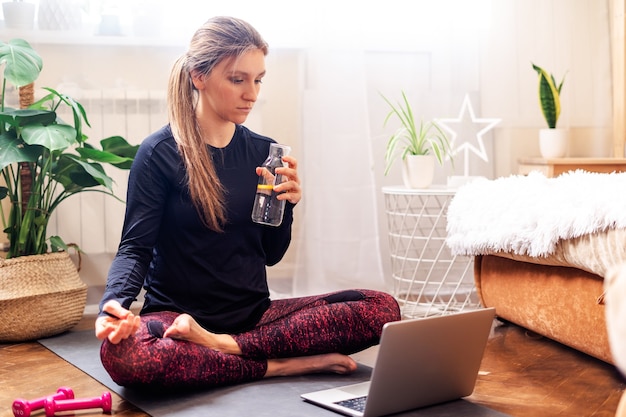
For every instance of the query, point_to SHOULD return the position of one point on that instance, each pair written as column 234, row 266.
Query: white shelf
column 88, row 37
column 432, row 190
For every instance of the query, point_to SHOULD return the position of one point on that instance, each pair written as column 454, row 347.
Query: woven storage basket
column 40, row 296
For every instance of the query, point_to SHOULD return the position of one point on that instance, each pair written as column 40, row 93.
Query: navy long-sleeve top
column 218, row 278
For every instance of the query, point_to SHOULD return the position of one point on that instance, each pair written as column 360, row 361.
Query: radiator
column 94, row 220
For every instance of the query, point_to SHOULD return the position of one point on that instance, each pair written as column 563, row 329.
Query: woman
column 189, row 240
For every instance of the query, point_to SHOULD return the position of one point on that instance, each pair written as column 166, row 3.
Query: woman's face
column 229, row 92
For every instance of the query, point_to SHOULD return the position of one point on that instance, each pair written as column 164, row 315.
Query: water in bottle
column 267, row 208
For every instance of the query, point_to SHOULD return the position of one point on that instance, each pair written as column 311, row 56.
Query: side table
column 428, row 280
column 556, row 166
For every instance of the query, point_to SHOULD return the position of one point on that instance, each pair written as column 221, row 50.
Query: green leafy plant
column 43, row 159
column 411, row 138
column 549, row 96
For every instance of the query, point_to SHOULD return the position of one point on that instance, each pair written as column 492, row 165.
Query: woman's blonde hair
column 219, row 38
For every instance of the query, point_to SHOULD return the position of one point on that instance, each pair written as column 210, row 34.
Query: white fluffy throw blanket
column 528, row 215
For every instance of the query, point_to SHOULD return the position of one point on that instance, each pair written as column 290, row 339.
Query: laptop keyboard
column 357, row 403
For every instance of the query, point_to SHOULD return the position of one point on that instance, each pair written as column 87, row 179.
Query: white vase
column 418, row 171
column 59, row 15
column 18, row 15
column 553, row 143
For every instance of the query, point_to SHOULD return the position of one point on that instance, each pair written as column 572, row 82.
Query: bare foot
column 330, row 362
column 187, row 328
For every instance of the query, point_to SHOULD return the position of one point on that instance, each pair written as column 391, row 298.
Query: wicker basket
column 40, row 296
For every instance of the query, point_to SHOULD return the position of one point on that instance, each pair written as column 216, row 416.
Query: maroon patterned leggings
column 344, row 322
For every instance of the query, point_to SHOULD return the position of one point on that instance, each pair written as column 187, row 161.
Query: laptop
column 420, row 362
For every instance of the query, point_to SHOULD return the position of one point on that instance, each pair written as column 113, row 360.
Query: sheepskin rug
column 528, row 215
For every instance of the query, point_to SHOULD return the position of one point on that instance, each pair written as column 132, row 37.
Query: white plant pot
column 58, row 15
column 418, row 171
column 553, row 143
column 18, row 15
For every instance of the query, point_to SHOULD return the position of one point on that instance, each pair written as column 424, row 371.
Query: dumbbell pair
column 23, row 408
column 63, row 400
column 53, row 406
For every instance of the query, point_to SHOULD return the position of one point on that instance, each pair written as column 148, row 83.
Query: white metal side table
column 428, row 279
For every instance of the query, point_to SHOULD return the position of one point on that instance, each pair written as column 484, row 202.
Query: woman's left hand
column 289, row 189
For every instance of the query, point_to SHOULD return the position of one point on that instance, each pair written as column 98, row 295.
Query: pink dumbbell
column 52, row 406
column 23, row 408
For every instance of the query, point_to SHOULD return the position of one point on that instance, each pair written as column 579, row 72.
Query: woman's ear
column 198, row 80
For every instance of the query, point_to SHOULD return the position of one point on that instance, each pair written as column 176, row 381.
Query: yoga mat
column 272, row 397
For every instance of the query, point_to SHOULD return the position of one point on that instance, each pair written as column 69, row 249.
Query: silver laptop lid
column 427, row 361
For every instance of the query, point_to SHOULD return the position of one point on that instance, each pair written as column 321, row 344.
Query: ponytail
column 205, row 189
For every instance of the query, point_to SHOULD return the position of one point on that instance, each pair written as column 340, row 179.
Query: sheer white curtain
column 446, row 50
column 340, row 243
column 342, row 240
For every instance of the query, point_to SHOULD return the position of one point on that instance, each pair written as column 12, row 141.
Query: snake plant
column 549, row 96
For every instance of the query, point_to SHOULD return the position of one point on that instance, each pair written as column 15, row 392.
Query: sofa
column 542, row 248
column 615, row 290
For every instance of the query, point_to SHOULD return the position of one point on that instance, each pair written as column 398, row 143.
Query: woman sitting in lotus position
column 189, row 240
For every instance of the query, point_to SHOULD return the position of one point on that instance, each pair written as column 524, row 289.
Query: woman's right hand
column 118, row 325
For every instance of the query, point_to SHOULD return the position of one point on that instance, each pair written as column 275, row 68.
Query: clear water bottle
column 267, row 208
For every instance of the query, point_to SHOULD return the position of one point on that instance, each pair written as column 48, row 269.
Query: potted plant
column 418, row 145
column 44, row 161
column 552, row 140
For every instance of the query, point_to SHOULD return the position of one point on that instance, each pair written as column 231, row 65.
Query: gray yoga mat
column 272, row 397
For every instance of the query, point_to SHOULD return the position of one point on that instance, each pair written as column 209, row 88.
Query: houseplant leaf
column 549, row 96
column 58, row 244
column 74, row 173
column 52, row 137
column 78, row 111
column 23, row 117
column 119, row 146
column 13, row 151
column 105, row 157
column 22, row 64
column 115, row 151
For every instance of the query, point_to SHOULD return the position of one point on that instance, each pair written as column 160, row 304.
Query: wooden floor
column 522, row 375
